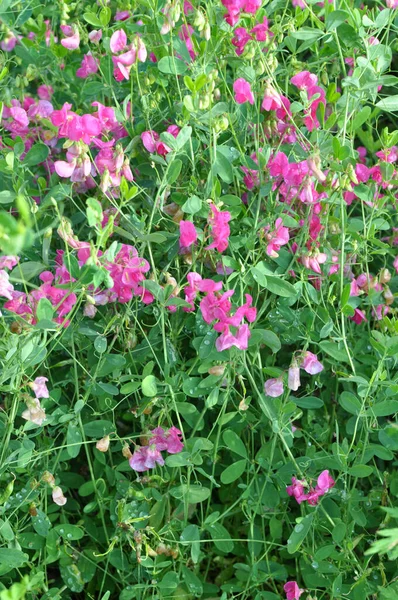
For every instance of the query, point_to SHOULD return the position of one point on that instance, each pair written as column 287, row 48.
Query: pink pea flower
column 188, row 235
column 324, row 483
column 39, row 387
column 118, row 41
column 240, row 39
column 311, row 364
column 145, row 458
column 58, row 496
column 296, row 490
column 149, row 139
column 261, row 31
column 273, row 387
column 395, row 263
column 9, row 42
column 45, row 92
column 122, row 15
column 392, row 4
column 292, row 590
column 279, row 237
column 95, row 36
column 227, row 339
column 88, row 67
column 6, row 288
column 359, row 316
column 243, row 92
column 272, row 100
column 8, row 262
column 220, row 230
column 34, row 412
column 72, row 39
column 174, row 443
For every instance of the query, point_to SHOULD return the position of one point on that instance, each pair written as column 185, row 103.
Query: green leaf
column 233, row 472
column 73, row 439
column 69, row 532
column 360, row 471
column 92, row 19
column 223, row 167
column 234, row 443
column 174, row 171
column 192, row 582
column 361, row 117
column 220, row 536
column 7, row 197
column 192, row 205
column 45, row 310
column 299, row 534
column 383, row 409
column 336, row 18
column 98, row 429
column 36, row 155
column 334, row 351
column 41, row 523
column 350, row 403
column 267, row 337
column 11, row 558
column 191, row 536
column 280, row 287
column 389, row 104
column 193, row 493
column 170, row 65
column 389, row 437
column 310, row 402
column 149, row 386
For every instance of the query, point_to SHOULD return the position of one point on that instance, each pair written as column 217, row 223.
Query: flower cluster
column 309, row 363
column 147, row 457
column 298, row 489
column 126, row 55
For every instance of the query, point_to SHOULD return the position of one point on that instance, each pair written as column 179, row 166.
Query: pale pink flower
column 34, row 412
column 395, row 263
column 103, row 444
column 6, row 288
column 273, row 387
column 392, row 4
column 293, row 377
column 118, row 41
column 39, row 387
column 311, row 364
column 95, row 36
column 58, row 496
column 243, row 92
column 188, row 235
column 145, row 458
column 45, row 92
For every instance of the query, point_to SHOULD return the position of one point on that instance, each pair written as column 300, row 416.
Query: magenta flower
column 188, row 235
column 359, row 316
column 292, row 590
column 227, row 339
column 325, row 482
column 220, row 230
column 39, row 387
column 279, row 237
column 311, row 364
column 296, row 490
column 118, row 41
column 273, row 387
column 167, row 440
column 243, row 92
column 272, row 100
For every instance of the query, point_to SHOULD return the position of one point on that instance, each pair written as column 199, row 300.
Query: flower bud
column 58, row 496
column 103, row 444
column 388, row 296
column 126, row 451
column 385, row 276
column 217, row 370
column 293, row 377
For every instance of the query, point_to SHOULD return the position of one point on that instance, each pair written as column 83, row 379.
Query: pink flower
column 45, row 92
column 292, row 590
column 6, row 288
column 240, row 39
column 273, row 387
column 95, row 36
column 243, row 92
column 324, row 483
column 359, row 316
column 167, row 440
column 296, row 490
column 188, row 235
column 227, row 339
column 72, row 40
column 395, row 263
column 122, row 15
column 118, row 41
column 39, row 387
column 279, row 237
column 272, row 100
column 145, row 458
column 9, row 42
column 392, row 4
column 261, row 31
column 88, row 67
column 149, row 139
column 219, row 229
column 311, row 364
column 58, row 496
